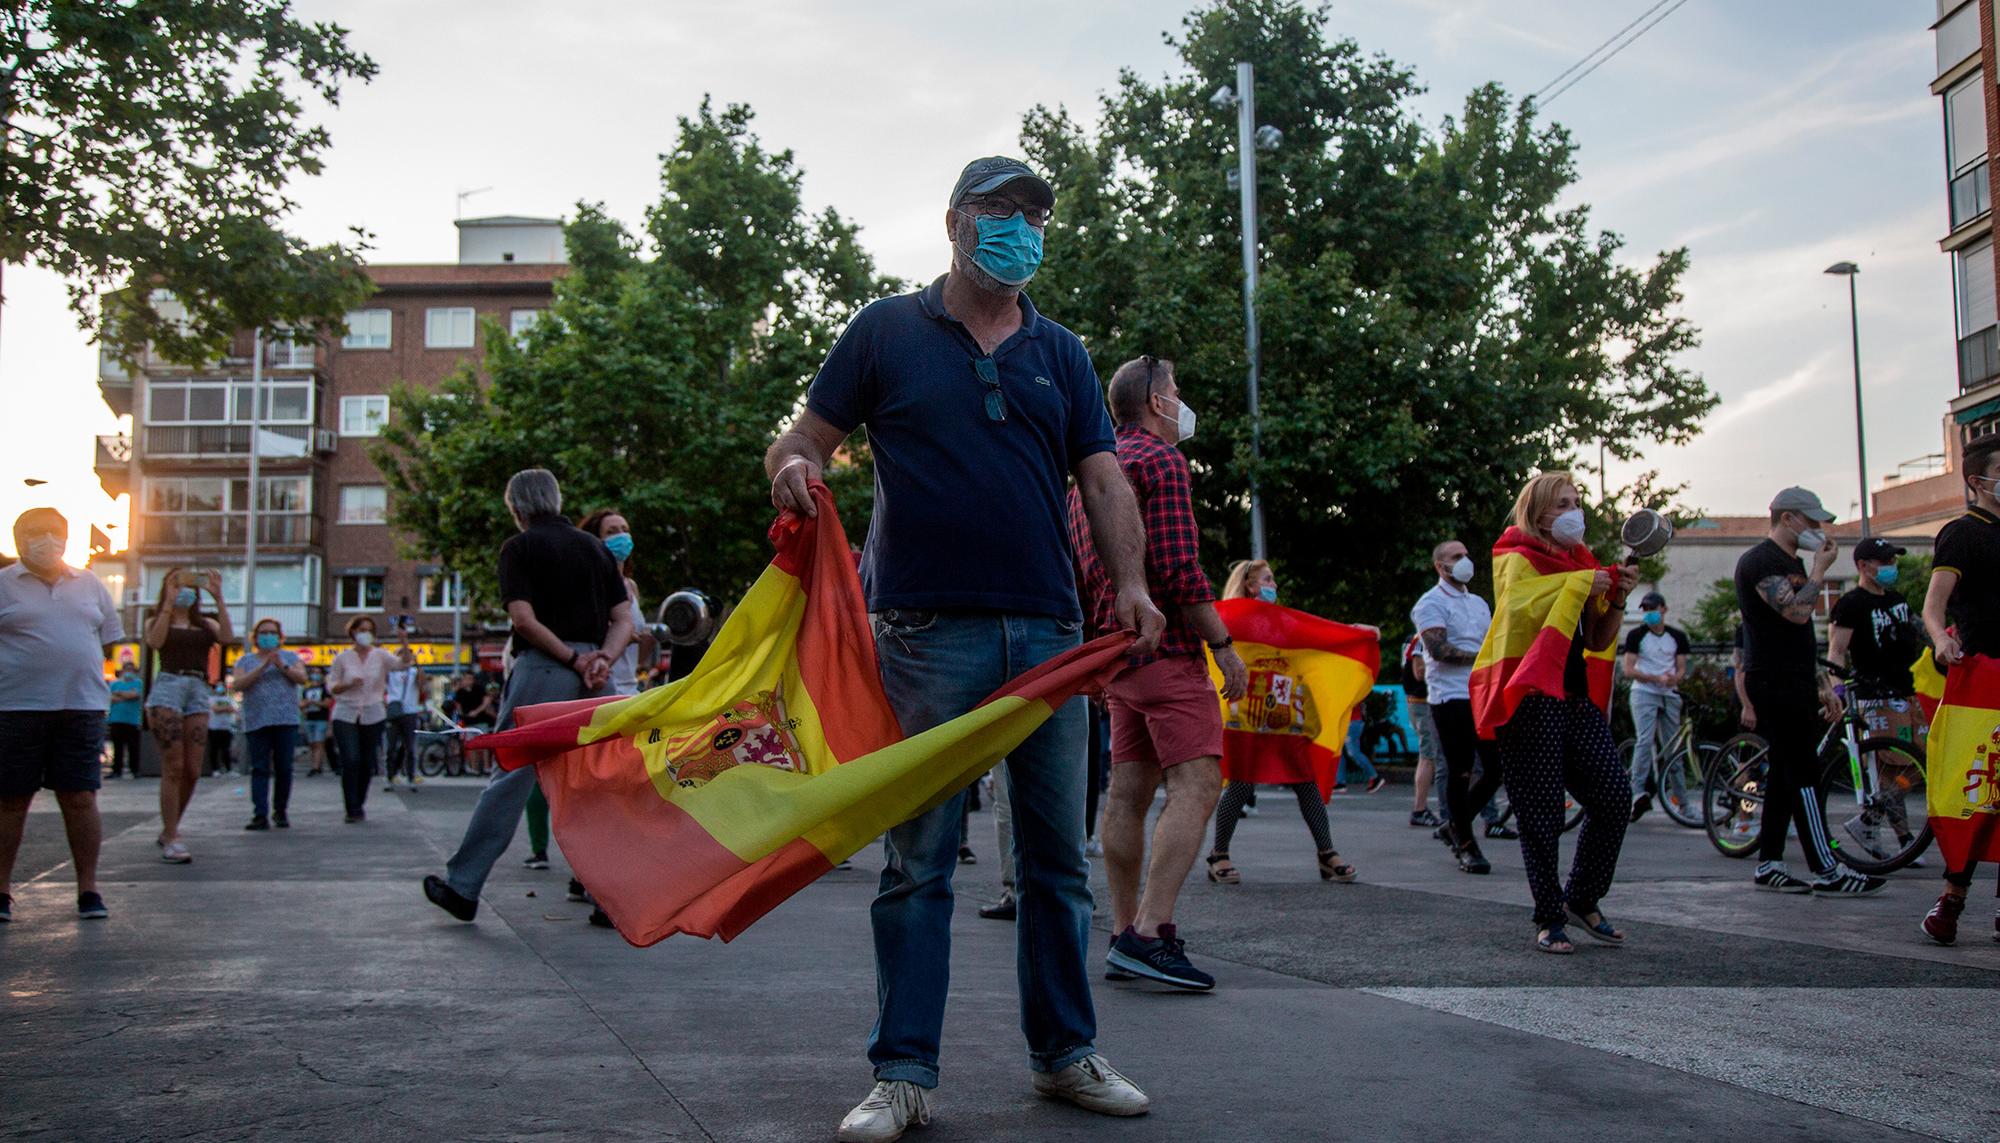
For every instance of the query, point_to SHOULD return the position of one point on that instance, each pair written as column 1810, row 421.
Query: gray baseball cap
column 1805, row 503
column 983, row 176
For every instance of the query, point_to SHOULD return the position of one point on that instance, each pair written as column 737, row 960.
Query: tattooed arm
column 1441, row 651
column 1794, row 603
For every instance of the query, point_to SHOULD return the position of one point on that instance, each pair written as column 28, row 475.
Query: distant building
column 325, row 551
column 1707, row 550
column 1966, row 67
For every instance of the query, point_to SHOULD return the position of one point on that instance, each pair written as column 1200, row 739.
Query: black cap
column 984, row 176
column 1652, row 599
column 1877, row 548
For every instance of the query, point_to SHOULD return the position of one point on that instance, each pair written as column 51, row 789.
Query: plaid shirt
column 1159, row 477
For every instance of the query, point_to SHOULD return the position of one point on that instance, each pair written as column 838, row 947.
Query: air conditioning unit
column 325, row 440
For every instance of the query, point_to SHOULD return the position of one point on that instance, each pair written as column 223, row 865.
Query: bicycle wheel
column 1888, row 826
column 1733, row 794
column 430, row 759
column 1682, row 778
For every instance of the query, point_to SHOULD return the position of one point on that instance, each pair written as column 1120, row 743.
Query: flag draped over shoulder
column 1539, row 598
column 699, row 806
column 1306, row 676
column 1963, row 772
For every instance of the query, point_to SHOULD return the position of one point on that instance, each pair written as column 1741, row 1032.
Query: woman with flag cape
column 1542, row 687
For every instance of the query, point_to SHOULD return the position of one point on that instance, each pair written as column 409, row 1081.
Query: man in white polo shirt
column 1451, row 621
column 1655, row 659
column 57, row 625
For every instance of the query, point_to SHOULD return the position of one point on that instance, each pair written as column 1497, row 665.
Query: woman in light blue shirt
column 268, row 678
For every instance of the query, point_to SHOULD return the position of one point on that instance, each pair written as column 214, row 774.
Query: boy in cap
column 1655, row 659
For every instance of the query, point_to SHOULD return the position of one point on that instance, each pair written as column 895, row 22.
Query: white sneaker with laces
column 174, row 853
column 1094, row 1085
column 890, row 1109
column 1841, row 881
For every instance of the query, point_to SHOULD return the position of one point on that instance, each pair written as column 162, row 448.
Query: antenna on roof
column 458, row 211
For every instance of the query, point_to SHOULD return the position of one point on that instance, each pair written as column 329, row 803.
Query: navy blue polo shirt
column 969, row 512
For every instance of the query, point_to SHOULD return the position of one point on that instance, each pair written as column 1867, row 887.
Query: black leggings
column 124, row 748
column 1550, row 745
column 1236, row 795
column 1788, row 716
column 1464, row 753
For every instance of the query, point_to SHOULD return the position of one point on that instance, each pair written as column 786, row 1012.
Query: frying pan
column 1646, row 534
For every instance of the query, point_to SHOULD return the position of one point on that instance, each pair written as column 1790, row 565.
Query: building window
column 363, row 416
column 435, row 593
column 1965, row 124
column 1957, row 37
column 174, row 401
column 1974, row 271
column 357, row 593
column 519, row 322
column 366, row 329
column 364, row 504
column 448, row 328
column 292, row 350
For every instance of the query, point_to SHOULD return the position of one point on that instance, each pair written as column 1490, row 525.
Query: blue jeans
column 935, row 667
column 269, row 749
column 1351, row 755
column 1655, row 713
column 535, row 679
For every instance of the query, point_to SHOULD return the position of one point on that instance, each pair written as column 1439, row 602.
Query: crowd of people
column 1019, row 509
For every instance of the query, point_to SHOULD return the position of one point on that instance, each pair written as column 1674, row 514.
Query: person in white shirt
column 404, row 704
column 1451, row 620
column 1655, row 659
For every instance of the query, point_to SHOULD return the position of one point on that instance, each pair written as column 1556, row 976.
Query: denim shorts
column 182, row 694
column 60, row 750
column 316, row 730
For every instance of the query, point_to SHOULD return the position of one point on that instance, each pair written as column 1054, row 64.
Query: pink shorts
column 1166, row 712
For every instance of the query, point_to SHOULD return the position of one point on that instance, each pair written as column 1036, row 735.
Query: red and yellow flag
column 1307, row 674
column 1539, row 599
column 699, row 806
column 1963, row 775
column 1929, row 681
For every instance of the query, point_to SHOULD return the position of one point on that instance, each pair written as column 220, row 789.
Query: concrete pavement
column 295, row 985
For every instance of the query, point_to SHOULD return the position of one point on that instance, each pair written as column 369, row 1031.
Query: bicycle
column 1682, row 765
column 441, row 748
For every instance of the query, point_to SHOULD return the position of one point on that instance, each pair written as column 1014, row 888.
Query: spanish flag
column 700, row 806
column 1539, row 599
column 1963, row 774
column 1307, row 674
column 1929, row 681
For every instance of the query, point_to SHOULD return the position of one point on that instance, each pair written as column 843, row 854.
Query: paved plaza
column 295, row 984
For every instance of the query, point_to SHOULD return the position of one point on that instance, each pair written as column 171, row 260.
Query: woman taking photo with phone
column 178, row 708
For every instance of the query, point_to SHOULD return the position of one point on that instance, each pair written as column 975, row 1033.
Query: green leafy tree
column 658, row 377
column 1913, row 580
column 1436, row 321
column 145, row 146
column 1713, row 618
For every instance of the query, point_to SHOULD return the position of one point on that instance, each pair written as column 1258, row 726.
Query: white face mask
column 1184, row 423
column 42, row 553
column 1568, row 527
column 1461, row 569
column 1812, row 540
column 364, row 638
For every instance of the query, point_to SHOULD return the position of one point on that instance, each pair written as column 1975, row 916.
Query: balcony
column 114, row 464
column 1978, row 358
column 1971, row 195
column 228, row 531
column 215, row 442
column 114, row 383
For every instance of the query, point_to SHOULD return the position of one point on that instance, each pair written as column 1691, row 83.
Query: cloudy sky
column 1773, row 139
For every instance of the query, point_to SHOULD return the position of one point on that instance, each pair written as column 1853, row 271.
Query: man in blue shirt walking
column 978, row 410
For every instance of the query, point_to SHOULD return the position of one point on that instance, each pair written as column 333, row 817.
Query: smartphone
column 190, row 577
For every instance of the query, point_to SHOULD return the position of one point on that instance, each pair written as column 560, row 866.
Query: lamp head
column 1843, row 268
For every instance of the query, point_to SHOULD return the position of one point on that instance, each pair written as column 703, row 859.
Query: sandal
column 1554, row 940
column 1221, row 871
column 1601, row 930
column 1332, row 868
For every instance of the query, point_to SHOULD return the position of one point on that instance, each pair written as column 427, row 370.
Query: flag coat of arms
column 1307, row 674
column 1539, row 601
column 1963, row 780
column 699, row 806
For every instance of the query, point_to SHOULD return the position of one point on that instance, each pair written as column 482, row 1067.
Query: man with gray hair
column 572, row 619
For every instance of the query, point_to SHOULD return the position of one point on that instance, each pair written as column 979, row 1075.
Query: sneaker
column 280, row 820
column 1640, row 805
column 1866, row 836
column 1112, row 971
column 1094, row 1085
column 1093, row 848
column 1470, row 860
column 537, row 861
column 1500, row 832
column 1840, row 881
column 1424, row 819
column 90, row 907
column 174, row 853
column 1338, row 788
column 449, row 899
column 1002, row 910
column 890, row 1109
column 1250, row 809
column 1163, row 959
column 1773, row 877
column 966, row 856
column 350, row 819
column 1941, row 923
column 259, row 822
column 601, row 919
column 6, row 907
column 1376, row 783
column 576, row 892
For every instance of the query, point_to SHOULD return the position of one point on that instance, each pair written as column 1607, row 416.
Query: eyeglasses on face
column 996, row 400
column 1005, row 208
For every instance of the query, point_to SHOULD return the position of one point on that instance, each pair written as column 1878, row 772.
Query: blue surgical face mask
column 1653, row 618
column 1009, row 248
column 184, row 597
column 1268, row 594
column 1887, row 574
column 621, row 546
column 267, row 641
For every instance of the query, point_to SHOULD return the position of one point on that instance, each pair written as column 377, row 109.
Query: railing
column 279, row 441
column 1971, row 195
column 1978, row 358
column 227, row 530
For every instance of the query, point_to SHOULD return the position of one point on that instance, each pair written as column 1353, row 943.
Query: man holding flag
column 978, row 410
column 1166, row 726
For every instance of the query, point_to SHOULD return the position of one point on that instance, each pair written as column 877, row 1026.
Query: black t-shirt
column 467, row 700
column 1576, row 677
column 315, row 698
column 186, row 649
column 1772, row 644
column 566, row 574
column 1885, row 642
column 1970, row 546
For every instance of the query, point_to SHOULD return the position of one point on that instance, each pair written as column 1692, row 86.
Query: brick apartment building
column 1966, row 69
column 325, row 551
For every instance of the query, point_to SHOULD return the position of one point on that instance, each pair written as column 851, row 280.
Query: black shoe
column 259, row 822
column 1002, row 911
column 1470, row 860
column 1424, row 818
column 1112, row 971
column 355, row 817
column 6, row 908
column 966, row 856
column 449, row 899
column 1640, row 805
column 537, row 861
column 1163, row 959
column 576, row 892
column 601, row 919
column 90, row 906
column 280, row 820
column 1501, row 832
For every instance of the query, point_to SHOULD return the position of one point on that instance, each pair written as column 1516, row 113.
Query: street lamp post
column 1848, row 270
column 250, row 521
column 1250, row 139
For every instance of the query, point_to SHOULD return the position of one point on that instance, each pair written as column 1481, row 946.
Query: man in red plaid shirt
column 1166, row 725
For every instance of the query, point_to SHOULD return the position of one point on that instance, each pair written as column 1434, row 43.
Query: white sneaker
column 891, row 1108
column 174, row 853
column 1094, row 1085
column 1093, row 848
